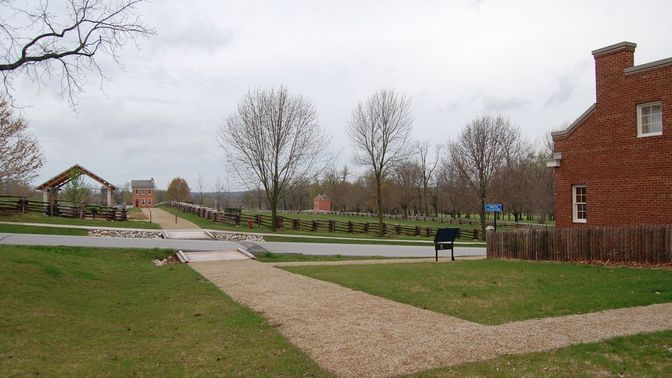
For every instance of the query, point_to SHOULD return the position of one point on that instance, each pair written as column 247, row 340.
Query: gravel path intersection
column 351, row 333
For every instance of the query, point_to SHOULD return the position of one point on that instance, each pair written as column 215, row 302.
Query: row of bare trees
column 274, row 139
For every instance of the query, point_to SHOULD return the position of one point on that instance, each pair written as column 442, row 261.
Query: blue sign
column 494, row 207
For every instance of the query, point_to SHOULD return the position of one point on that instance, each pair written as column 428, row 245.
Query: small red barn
column 321, row 203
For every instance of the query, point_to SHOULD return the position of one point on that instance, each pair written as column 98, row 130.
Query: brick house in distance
column 144, row 194
column 321, row 203
column 613, row 165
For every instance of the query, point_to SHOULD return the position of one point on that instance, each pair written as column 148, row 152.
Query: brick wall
column 139, row 196
column 628, row 178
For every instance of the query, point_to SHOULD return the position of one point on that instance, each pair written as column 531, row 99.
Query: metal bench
column 445, row 239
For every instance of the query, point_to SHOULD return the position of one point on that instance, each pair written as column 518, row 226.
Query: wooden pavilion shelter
column 51, row 187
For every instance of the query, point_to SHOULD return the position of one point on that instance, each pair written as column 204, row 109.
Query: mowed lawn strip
column 41, row 218
column 646, row 355
column 112, row 312
column 21, row 229
column 498, row 291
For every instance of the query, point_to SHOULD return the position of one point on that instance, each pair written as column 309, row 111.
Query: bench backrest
column 446, row 235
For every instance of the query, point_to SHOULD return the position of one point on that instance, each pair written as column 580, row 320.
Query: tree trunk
column 274, row 215
column 482, row 213
column 379, row 203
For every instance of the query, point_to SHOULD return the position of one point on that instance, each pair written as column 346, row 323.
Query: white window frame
column 142, row 191
column 149, row 201
column 575, row 204
column 640, row 134
column 143, row 201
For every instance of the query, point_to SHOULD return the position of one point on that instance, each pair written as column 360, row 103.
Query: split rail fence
column 22, row 205
column 297, row 224
column 637, row 244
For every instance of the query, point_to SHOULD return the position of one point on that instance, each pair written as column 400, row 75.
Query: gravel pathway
column 168, row 221
column 351, row 333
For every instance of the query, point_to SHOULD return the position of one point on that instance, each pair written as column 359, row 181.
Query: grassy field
column 647, row 355
column 496, row 291
column 20, row 229
column 41, row 218
column 111, row 312
column 285, row 233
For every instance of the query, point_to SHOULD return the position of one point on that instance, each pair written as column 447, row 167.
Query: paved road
column 167, row 220
column 220, row 245
column 366, row 249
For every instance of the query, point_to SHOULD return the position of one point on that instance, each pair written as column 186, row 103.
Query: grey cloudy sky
column 158, row 117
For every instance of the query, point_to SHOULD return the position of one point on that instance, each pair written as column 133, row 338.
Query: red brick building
column 144, row 194
column 321, row 203
column 613, row 165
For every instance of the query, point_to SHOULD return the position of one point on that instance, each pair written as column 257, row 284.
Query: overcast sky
column 158, row 116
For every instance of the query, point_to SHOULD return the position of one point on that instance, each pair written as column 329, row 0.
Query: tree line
column 273, row 140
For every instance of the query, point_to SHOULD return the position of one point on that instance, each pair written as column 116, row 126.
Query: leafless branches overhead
column 62, row 38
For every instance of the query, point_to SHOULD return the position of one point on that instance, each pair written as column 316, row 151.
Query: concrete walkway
column 351, row 333
column 168, row 221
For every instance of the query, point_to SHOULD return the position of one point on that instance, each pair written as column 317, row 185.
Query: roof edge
column 575, row 124
column 616, row 46
column 649, row 66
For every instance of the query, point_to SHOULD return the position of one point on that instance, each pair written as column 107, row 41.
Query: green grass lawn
column 41, row 218
column 111, row 312
column 285, row 234
column 497, row 291
column 20, row 229
column 648, row 355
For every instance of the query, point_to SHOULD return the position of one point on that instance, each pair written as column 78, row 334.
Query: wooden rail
column 314, row 225
column 21, row 205
column 638, row 244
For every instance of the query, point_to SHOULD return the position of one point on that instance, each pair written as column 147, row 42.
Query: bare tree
column 62, row 38
column 20, row 155
column 336, row 186
column 479, row 152
column 407, row 177
column 274, row 138
column 427, row 168
column 200, row 185
column 379, row 128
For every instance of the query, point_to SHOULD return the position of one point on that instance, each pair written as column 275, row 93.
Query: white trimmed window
column 143, row 201
column 579, row 203
column 142, row 192
column 649, row 119
column 149, row 201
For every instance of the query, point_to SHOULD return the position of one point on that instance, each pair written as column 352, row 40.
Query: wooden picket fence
column 315, row 225
column 635, row 244
column 21, row 205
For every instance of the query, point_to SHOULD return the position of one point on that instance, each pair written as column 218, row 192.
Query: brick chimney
column 610, row 62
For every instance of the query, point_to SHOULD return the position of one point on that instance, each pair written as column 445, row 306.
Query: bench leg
column 436, row 259
column 452, row 256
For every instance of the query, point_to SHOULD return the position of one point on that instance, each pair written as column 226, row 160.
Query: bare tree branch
column 37, row 44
